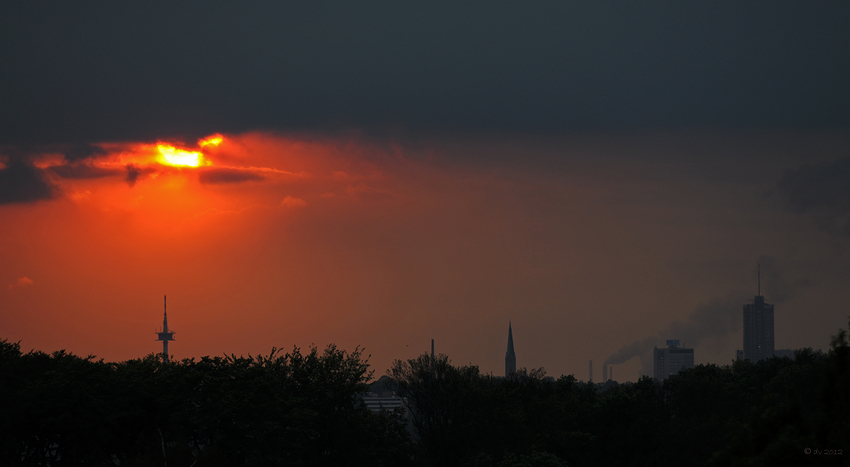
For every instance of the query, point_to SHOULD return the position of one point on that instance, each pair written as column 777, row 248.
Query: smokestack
column 604, row 372
column 611, row 373
column 590, row 379
column 432, row 355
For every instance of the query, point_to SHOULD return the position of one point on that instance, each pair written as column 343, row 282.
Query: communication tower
column 165, row 335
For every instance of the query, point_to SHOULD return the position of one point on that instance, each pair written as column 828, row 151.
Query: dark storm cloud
column 133, row 174
column 77, row 152
column 141, row 71
column 821, row 191
column 228, row 176
column 83, row 171
column 20, row 182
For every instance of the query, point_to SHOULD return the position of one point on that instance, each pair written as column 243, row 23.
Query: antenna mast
column 759, row 273
column 165, row 335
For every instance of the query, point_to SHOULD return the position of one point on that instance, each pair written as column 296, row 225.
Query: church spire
column 510, row 357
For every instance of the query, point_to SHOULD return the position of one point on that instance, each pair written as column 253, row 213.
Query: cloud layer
column 21, row 282
column 820, row 191
column 21, row 182
column 124, row 71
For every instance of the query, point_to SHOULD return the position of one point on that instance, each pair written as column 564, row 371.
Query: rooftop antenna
column 165, row 335
column 759, row 273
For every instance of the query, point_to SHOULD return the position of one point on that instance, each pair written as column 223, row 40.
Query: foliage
column 763, row 413
column 535, row 459
column 802, row 415
column 305, row 409
column 280, row 409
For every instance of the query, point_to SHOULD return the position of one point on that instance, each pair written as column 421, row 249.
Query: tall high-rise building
column 758, row 327
column 758, row 330
column 669, row 361
column 510, row 357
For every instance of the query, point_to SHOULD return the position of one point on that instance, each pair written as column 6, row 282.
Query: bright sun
column 169, row 155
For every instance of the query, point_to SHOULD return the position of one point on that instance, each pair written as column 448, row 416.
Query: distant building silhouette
column 669, row 361
column 510, row 357
column 381, row 397
column 380, row 402
column 758, row 328
column 165, row 335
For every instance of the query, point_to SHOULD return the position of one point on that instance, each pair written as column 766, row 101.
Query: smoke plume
column 776, row 286
column 713, row 320
column 821, row 191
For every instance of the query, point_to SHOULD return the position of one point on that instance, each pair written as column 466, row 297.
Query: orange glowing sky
column 381, row 176
column 264, row 240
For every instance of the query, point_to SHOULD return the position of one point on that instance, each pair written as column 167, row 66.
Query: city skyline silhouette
column 602, row 177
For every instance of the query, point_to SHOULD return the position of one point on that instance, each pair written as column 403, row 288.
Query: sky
column 603, row 177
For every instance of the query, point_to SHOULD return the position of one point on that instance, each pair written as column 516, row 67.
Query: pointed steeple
column 510, row 356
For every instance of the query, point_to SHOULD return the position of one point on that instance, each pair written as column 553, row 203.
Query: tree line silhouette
column 299, row 408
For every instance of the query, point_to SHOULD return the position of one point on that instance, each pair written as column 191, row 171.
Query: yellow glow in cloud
column 213, row 141
column 169, row 155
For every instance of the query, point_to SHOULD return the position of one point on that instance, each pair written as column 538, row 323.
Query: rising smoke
column 820, row 191
column 776, row 286
column 715, row 319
